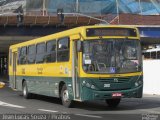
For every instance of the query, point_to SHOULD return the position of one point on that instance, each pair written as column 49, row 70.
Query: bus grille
column 115, row 80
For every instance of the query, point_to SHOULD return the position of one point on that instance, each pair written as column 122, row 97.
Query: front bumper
column 90, row 94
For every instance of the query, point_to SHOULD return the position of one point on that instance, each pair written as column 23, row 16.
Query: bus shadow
column 125, row 105
column 46, row 99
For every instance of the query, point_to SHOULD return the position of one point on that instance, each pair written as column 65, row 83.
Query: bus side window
column 40, row 53
column 153, row 55
column 31, row 54
column 23, row 55
column 51, row 51
column 147, row 55
column 158, row 54
column 63, row 50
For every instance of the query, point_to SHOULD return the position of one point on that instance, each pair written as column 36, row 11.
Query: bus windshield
column 111, row 56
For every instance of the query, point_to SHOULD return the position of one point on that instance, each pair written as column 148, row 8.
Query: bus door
column 14, row 69
column 75, row 71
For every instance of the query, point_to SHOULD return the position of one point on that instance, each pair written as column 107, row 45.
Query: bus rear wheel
column 113, row 103
column 65, row 97
column 25, row 92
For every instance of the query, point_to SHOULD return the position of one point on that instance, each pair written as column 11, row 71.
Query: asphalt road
column 147, row 108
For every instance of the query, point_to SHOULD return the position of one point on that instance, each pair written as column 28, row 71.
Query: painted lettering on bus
column 23, row 71
column 40, row 70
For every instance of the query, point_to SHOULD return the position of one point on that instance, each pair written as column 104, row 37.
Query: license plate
column 116, row 94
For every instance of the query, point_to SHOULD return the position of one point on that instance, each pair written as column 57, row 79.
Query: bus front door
column 14, row 69
column 75, row 72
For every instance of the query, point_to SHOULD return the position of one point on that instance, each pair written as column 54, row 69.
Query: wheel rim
column 65, row 96
column 24, row 91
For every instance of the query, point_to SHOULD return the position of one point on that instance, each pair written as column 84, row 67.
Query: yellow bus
column 80, row 64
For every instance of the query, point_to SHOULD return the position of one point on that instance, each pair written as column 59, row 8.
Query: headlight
column 136, row 84
column 89, row 85
column 93, row 87
column 139, row 81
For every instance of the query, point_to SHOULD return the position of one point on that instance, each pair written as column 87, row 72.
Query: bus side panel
column 48, row 86
column 11, row 81
column 44, row 79
column 18, row 82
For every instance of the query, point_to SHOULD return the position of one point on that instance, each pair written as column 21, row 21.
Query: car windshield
column 111, row 56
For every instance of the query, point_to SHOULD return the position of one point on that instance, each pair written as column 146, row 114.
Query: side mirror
column 79, row 46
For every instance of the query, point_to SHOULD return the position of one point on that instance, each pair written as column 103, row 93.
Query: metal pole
column 117, row 5
column 44, row 8
column 140, row 7
column 77, row 6
column 85, row 16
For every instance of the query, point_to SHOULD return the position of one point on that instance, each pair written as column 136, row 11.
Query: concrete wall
column 151, row 69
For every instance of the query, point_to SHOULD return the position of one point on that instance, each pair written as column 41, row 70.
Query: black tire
column 65, row 98
column 113, row 103
column 25, row 92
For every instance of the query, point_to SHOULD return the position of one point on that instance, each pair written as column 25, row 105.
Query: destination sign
column 93, row 32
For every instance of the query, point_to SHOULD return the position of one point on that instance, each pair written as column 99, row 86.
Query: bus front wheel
column 113, row 103
column 65, row 97
column 26, row 94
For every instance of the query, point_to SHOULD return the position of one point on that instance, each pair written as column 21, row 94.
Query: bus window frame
column 37, row 54
column 32, row 54
column 51, row 52
column 68, row 38
column 20, row 55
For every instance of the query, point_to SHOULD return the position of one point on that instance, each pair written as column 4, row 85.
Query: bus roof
column 68, row 32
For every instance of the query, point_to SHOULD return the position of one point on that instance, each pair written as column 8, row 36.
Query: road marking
column 47, row 110
column 10, row 105
column 84, row 115
column 150, row 111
